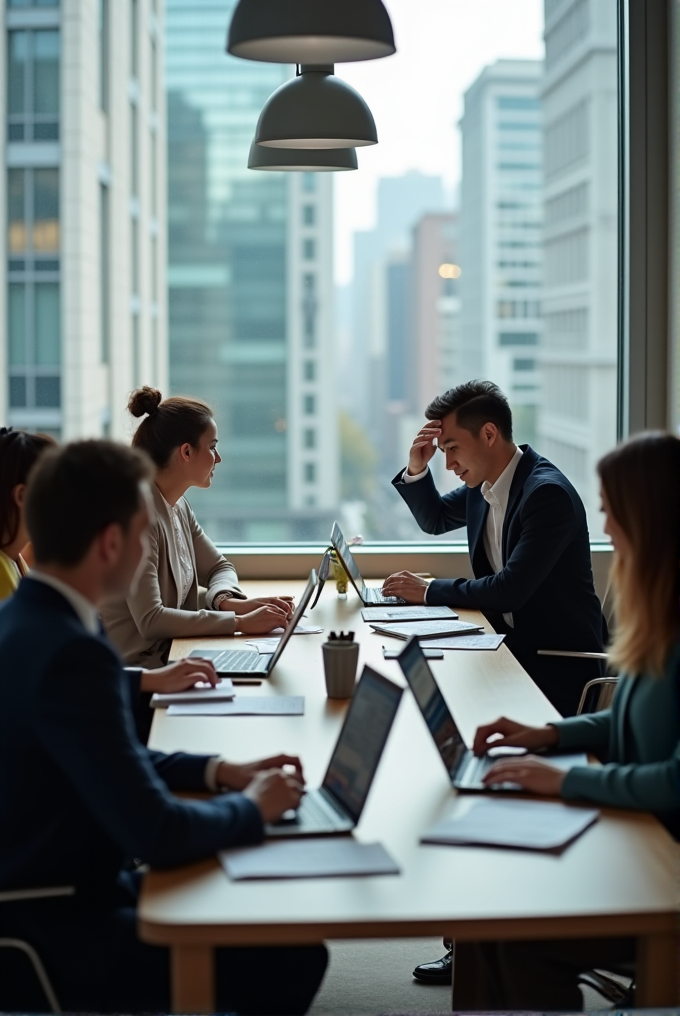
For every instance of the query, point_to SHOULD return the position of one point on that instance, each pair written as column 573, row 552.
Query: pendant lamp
column 310, row 31
column 315, row 110
column 302, row 160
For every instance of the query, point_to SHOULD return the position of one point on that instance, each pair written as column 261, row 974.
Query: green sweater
column 639, row 741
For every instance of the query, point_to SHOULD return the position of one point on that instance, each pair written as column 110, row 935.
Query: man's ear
column 110, row 543
column 490, row 434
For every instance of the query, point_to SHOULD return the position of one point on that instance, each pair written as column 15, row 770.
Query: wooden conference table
column 620, row 878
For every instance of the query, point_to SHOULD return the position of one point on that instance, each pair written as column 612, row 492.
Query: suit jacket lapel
column 478, row 509
column 524, row 468
column 164, row 521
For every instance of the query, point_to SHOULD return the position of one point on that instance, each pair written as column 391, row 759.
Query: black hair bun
column 144, row 401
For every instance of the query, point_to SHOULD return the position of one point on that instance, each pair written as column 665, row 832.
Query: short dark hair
column 19, row 452
column 77, row 491
column 474, row 403
column 169, row 424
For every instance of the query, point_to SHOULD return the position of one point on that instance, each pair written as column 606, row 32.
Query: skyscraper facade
column 250, row 291
column 83, row 273
column 577, row 420
column 501, row 234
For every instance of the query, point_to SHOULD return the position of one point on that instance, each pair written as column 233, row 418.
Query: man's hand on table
column 179, row 676
column 237, row 777
column 408, row 586
column 265, row 782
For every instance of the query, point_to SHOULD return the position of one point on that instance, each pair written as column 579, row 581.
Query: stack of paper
column 427, row 629
column 261, row 705
column 413, row 613
column 308, row 857
column 491, row 642
column 202, row 693
column 531, row 825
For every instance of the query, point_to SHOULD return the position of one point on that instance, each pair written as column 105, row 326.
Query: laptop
column 465, row 769
column 337, row 805
column 369, row 597
column 233, row 662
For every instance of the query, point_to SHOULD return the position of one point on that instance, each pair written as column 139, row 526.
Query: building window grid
column 33, row 84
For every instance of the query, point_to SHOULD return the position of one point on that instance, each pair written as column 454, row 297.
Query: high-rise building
column 500, row 234
column 577, row 420
column 83, row 271
column 250, row 291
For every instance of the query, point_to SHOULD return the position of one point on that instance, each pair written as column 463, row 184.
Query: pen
column 244, row 680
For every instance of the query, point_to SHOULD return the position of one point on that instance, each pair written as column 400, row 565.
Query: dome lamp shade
column 302, row 160
column 310, row 31
column 315, row 110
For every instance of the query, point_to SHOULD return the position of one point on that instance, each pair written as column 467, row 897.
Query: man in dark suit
column 528, row 541
column 527, row 535
column 80, row 796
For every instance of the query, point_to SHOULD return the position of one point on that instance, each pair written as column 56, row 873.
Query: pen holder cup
column 340, row 667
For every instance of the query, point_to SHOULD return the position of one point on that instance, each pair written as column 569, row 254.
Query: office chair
column 26, row 948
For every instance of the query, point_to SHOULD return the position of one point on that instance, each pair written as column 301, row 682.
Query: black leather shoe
column 437, row 972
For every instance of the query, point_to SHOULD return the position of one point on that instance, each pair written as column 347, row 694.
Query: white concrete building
column 83, row 272
column 577, row 419
column 500, row 234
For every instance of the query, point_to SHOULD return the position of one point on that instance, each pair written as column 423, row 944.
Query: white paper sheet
column 413, row 613
column 426, row 629
column 223, row 691
column 308, row 857
column 491, row 642
column 533, row 825
column 260, row 705
column 302, row 629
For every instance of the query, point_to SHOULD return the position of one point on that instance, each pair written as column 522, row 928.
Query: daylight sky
column 416, row 96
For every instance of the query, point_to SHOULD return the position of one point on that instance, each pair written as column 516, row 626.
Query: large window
column 33, row 85
column 478, row 239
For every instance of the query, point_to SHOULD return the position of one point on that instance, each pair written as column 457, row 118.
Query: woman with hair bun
column 19, row 452
column 180, row 436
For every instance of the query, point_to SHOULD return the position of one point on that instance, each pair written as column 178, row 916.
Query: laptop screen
column 432, row 705
column 292, row 624
column 340, row 544
column 362, row 740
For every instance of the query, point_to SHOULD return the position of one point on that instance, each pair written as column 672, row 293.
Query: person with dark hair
column 19, row 452
column 180, row 436
column 529, row 549
column 638, row 738
column 527, row 534
column 67, row 726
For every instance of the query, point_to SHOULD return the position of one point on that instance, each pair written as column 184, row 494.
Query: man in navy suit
column 80, row 796
column 527, row 535
column 529, row 548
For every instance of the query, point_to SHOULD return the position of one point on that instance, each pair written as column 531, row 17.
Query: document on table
column 530, row 825
column 426, row 629
column 308, row 857
column 246, row 705
column 301, row 629
column 413, row 613
column 202, row 692
column 466, row 642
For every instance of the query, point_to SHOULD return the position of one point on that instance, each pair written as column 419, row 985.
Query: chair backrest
column 597, row 695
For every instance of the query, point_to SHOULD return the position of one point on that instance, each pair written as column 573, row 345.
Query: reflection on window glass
column 16, row 324
column 16, row 216
column 17, row 61
column 47, row 325
column 46, row 210
column 47, row 392
column 46, row 71
column 33, row 85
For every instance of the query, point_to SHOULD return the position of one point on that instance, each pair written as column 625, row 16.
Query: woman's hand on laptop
column 274, row 792
column 505, row 733
column 179, row 676
column 284, row 603
column 531, row 773
column 262, row 620
column 408, row 586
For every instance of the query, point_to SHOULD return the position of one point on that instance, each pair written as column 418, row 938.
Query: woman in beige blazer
column 180, row 436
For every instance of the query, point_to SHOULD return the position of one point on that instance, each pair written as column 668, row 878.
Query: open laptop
column 465, row 769
column 337, row 805
column 369, row 597
column 233, row 662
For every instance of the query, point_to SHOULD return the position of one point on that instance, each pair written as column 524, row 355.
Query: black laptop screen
column 432, row 705
column 361, row 741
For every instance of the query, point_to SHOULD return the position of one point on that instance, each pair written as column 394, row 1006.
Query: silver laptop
column 465, row 769
column 337, row 805
column 369, row 597
column 234, row 662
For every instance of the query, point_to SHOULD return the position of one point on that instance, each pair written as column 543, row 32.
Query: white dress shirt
column 496, row 495
column 89, row 616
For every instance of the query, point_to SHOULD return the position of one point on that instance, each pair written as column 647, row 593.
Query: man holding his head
column 80, row 796
column 527, row 536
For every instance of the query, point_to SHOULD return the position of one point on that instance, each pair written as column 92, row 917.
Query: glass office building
column 249, row 283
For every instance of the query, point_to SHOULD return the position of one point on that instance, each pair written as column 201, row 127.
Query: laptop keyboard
column 313, row 814
column 375, row 596
column 238, row 660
